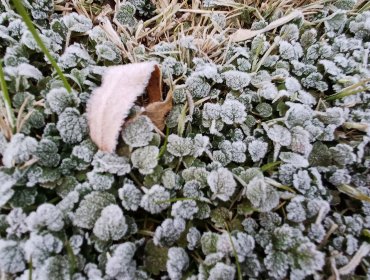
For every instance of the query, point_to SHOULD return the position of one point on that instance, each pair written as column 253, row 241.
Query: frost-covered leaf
column 110, row 103
column 111, row 224
column 145, row 159
column 47, row 153
column 59, row 99
column 232, row 111
column 77, row 23
column 177, row 263
column 130, row 196
column 72, row 126
column 138, row 132
column 90, row 208
column 262, row 196
column 112, row 163
column 221, row 183
column 11, row 256
column 295, row 159
column 169, row 232
column 155, row 200
column 19, row 150
column 48, row 216
column 179, row 146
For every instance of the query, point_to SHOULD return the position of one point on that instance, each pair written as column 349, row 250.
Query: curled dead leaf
column 110, row 103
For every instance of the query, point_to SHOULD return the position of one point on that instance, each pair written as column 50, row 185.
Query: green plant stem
column 27, row 20
column 71, row 257
column 164, row 147
column 7, row 101
column 240, row 277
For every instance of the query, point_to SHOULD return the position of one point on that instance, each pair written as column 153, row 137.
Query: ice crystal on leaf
column 111, row 163
column 19, row 150
column 130, row 196
column 262, row 196
column 155, row 200
column 111, row 225
column 232, row 111
column 222, row 271
column 221, row 183
column 77, row 23
column 100, row 181
column 184, row 209
column 145, row 159
column 236, row 80
column 177, row 262
column 46, row 215
column 59, row 99
column 11, row 256
column 122, row 265
column 169, row 232
column 72, row 126
column 138, row 132
column 90, row 207
column 47, row 153
column 179, row 146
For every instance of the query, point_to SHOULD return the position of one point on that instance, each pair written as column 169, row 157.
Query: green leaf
column 155, row 258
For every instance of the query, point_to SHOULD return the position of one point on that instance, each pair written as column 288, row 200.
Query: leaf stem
column 27, row 20
column 7, row 101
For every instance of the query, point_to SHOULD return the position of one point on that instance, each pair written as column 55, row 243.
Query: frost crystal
column 56, row 267
column 72, row 126
column 19, row 150
column 111, row 224
column 145, row 159
column 221, row 183
column 99, row 181
column 257, row 149
column 11, row 257
column 179, row 146
column 178, row 261
column 184, row 209
column 47, row 153
column 59, row 99
column 46, row 215
column 17, row 222
column 77, row 23
column 232, row 111
column 222, row 271
column 198, row 87
column 90, row 207
column 40, row 247
column 122, row 265
column 295, row 159
column 193, row 238
column 236, row 80
column 279, row 134
column 138, row 133
column 169, row 232
column 155, row 200
column 343, row 154
column 262, row 196
column 111, row 163
column 130, row 196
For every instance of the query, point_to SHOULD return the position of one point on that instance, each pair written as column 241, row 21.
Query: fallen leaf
column 246, row 34
column 157, row 111
column 110, row 103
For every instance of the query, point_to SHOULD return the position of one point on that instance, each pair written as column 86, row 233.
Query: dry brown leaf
column 246, row 34
column 157, row 111
column 110, row 103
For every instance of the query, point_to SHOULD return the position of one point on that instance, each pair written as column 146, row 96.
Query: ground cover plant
column 260, row 172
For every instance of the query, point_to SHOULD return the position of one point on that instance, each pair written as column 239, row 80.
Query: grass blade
column 7, row 101
column 27, row 20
